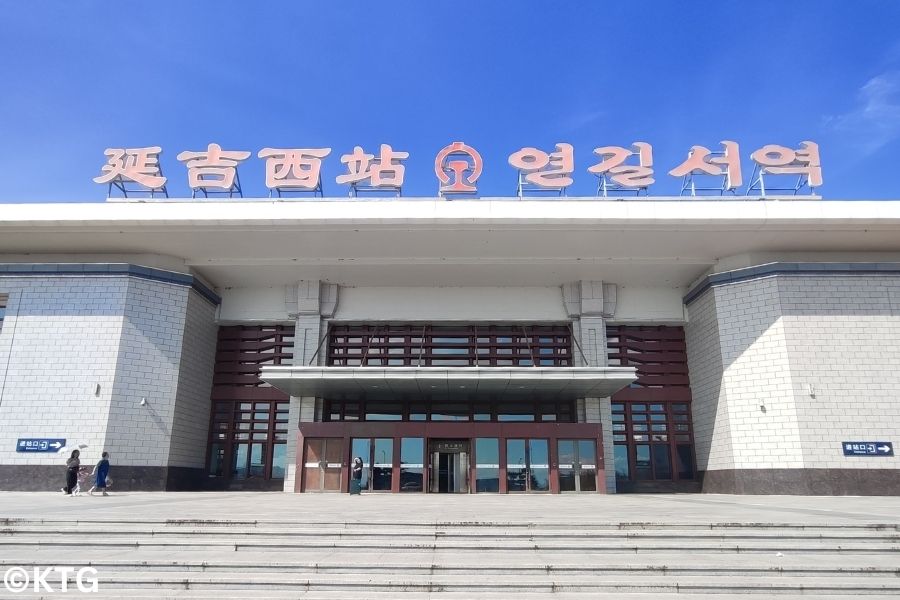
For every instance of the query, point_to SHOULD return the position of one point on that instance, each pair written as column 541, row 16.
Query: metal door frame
column 460, row 465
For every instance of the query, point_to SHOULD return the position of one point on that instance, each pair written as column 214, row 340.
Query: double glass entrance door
column 455, row 465
column 527, row 465
column 577, row 465
column 377, row 455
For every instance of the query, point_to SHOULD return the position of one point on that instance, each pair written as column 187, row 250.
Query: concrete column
column 604, row 406
column 591, row 410
column 589, row 304
column 290, row 458
column 307, row 409
column 593, row 340
column 316, row 302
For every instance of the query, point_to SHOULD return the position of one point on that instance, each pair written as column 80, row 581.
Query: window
column 651, row 420
column 562, row 411
column 659, row 354
column 254, row 436
column 652, row 442
column 249, row 419
column 384, row 411
column 515, row 411
column 2, row 310
column 443, row 411
column 396, row 345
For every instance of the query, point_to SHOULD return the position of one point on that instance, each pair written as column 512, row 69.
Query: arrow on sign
column 56, row 445
column 884, row 448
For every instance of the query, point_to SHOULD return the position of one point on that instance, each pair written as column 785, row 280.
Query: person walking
column 101, row 470
column 356, row 474
column 72, row 465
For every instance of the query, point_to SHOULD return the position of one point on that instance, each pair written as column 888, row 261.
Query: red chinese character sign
column 781, row 160
column 138, row 166
column 545, row 171
column 701, row 161
column 458, row 167
column 619, row 170
column 382, row 173
column 615, row 175
column 295, row 169
column 214, row 170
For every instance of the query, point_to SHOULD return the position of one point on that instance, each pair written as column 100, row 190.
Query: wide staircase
column 406, row 560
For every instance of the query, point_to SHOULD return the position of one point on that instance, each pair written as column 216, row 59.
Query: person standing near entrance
column 73, row 463
column 356, row 476
column 101, row 470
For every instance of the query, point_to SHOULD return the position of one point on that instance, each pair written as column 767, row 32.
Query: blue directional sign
column 868, row 448
column 40, row 444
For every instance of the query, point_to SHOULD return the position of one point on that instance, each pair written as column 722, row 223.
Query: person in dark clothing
column 72, row 465
column 356, row 474
column 101, row 470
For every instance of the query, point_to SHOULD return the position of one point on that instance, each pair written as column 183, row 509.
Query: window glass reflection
column 621, row 461
column 412, row 453
column 487, row 465
column 539, row 458
column 361, row 447
column 383, row 464
column 279, row 452
column 516, row 466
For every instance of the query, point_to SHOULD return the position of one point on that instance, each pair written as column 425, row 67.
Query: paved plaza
column 416, row 508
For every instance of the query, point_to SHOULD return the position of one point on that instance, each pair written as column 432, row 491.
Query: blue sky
column 78, row 77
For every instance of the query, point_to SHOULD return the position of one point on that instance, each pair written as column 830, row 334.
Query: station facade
column 475, row 346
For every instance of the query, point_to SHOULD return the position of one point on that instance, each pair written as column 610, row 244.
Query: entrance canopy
column 497, row 383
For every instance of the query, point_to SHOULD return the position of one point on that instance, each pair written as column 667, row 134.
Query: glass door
column 362, row 448
column 586, row 465
column 516, row 466
column 539, row 466
column 382, row 464
column 527, row 465
column 487, row 465
column 449, row 472
column 577, row 465
column 412, row 465
column 377, row 456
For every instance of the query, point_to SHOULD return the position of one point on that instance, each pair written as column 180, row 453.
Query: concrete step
column 162, row 594
column 510, row 584
column 448, row 558
column 462, row 565
column 197, row 543
column 86, row 531
column 312, row 559
column 584, row 523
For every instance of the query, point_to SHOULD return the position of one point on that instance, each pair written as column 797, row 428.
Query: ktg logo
column 50, row 579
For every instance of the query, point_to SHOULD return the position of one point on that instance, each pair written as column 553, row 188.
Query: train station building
column 492, row 345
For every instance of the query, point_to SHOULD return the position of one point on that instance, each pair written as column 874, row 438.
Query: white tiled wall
column 843, row 340
column 785, row 368
column 77, row 355
column 58, row 352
